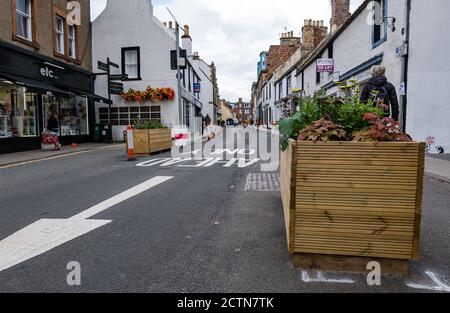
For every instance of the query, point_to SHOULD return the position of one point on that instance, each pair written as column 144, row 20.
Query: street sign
column 197, row 87
column 174, row 60
column 119, row 77
column 402, row 50
column 116, row 88
column 325, row 65
column 102, row 66
column 114, row 65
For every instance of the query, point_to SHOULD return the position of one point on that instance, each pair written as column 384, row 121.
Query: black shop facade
column 40, row 94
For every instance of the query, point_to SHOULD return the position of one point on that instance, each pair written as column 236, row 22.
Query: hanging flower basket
column 149, row 95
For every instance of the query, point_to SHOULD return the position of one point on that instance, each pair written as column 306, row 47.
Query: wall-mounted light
column 392, row 24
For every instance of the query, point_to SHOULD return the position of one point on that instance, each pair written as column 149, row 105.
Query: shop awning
column 35, row 85
column 92, row 96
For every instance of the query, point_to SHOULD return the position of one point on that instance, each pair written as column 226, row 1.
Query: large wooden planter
column 151, row 140
column 360, row 200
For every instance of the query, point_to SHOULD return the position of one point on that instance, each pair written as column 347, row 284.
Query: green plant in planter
column 349, row 119
column 152, row 124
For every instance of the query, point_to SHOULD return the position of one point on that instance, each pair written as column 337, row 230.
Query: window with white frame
column 59, row 34
column 72, row 42
column 24, row 19
column 379, row 30
column 131, row 63
column 288, row 85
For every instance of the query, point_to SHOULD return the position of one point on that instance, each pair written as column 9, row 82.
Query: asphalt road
column 198, row 232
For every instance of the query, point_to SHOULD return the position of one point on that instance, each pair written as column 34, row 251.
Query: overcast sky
column 232, row 33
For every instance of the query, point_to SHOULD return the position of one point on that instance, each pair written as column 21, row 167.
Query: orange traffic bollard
column 130, row 144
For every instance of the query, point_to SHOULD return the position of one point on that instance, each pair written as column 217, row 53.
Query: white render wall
column 130, row 23
column 354, row 47
column 428, row 113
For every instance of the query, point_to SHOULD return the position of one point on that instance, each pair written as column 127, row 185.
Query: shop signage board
column 325, row 65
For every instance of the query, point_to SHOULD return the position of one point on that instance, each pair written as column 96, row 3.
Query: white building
column 130, row 35
column 419, row 70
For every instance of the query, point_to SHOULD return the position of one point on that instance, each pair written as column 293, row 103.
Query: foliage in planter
column 140, row 124
column 323, row 130
column 349, row 113
column 380, row 129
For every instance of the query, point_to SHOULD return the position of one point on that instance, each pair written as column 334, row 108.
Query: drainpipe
column 405, row 65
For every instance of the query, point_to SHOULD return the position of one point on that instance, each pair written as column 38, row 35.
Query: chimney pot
column 170, row 25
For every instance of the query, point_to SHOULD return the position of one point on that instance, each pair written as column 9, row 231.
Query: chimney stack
column 187, row 40
column 340, row 13
column 288, row 39
column 195, row 56
column 313, row 34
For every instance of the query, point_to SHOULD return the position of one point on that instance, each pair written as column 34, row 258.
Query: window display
column 66, row 116
column 18, row 111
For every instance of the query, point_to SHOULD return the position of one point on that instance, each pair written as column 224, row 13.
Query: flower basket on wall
column 149, row 95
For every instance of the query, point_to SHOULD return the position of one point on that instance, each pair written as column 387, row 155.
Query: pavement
column 438, row 166
column 202, row 230
column 36, row 155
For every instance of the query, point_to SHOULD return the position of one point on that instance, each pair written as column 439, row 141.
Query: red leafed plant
column 380, row 129
column 324, row 131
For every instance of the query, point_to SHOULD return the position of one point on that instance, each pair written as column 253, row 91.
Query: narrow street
column 202, row 229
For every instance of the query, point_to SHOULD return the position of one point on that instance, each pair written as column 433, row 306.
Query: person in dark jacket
column 378, row 89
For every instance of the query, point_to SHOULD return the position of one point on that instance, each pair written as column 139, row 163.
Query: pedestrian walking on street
column 379, row 90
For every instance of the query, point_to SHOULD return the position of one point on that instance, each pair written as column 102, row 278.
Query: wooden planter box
column 358, row 200
column 149, row 141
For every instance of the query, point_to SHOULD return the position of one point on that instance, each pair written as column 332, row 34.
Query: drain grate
column 263, row 182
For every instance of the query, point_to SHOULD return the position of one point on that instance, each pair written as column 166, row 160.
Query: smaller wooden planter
column 346, row 204
column 147, row 141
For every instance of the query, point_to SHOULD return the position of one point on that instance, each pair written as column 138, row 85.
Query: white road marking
column 208, row 162
column 440, row 286
column 47, row 234
column 130, row 193
column 321, row 279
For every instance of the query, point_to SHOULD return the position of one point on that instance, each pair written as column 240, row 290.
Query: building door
column 51, row 116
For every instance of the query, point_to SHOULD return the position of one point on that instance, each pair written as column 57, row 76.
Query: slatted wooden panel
column 140, row 141
column 358, row 199
column 160, row 140
column 287, row 186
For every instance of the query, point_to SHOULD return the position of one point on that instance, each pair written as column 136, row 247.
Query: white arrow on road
column 47, row 234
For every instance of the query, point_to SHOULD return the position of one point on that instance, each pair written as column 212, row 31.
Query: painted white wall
column 130, row 23
column 428, row 113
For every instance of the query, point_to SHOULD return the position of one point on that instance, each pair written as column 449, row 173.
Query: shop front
column 40, row 95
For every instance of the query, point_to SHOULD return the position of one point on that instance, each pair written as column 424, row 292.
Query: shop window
column 66, row 116
column 59, row 29
column 18, row 112
column 124, row 116
column 131, row 63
